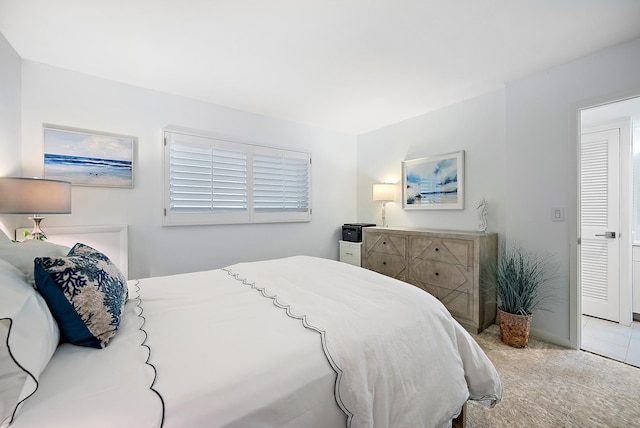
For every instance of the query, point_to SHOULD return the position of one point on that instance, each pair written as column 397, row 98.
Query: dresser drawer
column 442, row 275
column 386, row 243
column 387, row 264
column 460, row 304
column 453, row 251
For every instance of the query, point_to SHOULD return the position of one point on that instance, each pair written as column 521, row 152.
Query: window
column 213, row 181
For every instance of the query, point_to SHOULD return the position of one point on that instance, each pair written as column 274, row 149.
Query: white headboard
column 110, row 240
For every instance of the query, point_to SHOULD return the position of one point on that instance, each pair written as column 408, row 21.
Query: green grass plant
column 522, row 280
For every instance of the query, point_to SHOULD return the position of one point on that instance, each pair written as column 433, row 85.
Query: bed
column 293, row 342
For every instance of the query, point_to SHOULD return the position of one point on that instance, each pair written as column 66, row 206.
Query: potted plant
column 522, row 281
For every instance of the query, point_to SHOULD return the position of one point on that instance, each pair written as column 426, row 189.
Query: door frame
column 575, row 295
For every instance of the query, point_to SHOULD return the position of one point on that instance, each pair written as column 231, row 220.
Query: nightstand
column 351, row 252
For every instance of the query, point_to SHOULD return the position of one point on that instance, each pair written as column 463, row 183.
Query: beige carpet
column 548, row 386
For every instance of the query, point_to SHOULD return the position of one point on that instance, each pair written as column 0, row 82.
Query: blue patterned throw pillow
column 81, row 249
column 86, row 294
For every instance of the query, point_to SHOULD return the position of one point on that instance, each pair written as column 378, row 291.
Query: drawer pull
column 384, row 242
column 384, row 263
column 437, row 274
column 349, row 254
column 437, row 249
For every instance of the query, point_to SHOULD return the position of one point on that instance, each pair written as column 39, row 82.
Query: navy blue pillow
column 86, row 294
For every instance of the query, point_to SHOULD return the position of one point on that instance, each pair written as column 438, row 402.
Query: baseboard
column 551, row 338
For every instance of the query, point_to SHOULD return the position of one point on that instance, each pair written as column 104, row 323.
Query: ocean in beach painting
column 88, row 159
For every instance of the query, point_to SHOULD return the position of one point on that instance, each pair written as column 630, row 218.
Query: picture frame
column 88, row 158
column 434, row 182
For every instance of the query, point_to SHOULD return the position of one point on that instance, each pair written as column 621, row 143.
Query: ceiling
column 347, row 65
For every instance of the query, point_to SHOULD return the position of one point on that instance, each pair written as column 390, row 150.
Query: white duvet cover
column 403, row 361
column 228, row 353
column 227, row 357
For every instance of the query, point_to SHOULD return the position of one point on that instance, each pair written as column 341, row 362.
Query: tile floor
column 612, row 340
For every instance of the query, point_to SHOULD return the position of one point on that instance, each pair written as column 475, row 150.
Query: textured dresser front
column 386, row 253
column 445, row 268
column 452, row 266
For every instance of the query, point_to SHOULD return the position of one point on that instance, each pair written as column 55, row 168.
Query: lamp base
column 37, row 233
column 384, row 215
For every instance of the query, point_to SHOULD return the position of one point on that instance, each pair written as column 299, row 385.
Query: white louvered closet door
column 600, row 220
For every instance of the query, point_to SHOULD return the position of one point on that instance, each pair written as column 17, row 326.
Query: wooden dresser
column 451, row 265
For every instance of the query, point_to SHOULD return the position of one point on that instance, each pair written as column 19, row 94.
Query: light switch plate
column 557, row 214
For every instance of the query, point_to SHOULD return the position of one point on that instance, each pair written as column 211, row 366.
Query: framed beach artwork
column 434, row 183
column 87, row 158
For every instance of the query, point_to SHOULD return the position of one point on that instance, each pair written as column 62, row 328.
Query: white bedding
column 404, row 361
column 86, row 387
column 226, row 356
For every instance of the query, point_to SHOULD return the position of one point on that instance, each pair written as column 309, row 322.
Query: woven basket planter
column 514, row 329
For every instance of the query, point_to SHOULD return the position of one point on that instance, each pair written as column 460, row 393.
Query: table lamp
column 34, row 196
column 385, row 192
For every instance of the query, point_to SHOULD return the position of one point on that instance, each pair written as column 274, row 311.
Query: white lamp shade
column 34, row 196
column 384, row 192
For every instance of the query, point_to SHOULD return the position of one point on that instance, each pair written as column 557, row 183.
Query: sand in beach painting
column 86, row 158
column 435, row 182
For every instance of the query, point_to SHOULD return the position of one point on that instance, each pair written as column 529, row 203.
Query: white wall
column 475, row 126
column 10, row 82
column 56, row 96
column 521, row 146
column 542, row 131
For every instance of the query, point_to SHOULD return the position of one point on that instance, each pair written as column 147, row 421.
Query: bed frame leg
column 461, row 420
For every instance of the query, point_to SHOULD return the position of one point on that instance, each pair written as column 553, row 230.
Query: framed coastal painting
column 434, row 182
column 88, row 158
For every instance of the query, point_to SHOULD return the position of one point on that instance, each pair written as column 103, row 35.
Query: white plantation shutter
column 206, row 179
column 212, row 181
column 280, row 183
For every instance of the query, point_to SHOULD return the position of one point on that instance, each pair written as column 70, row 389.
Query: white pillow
column 28, row 338
column 21, row 254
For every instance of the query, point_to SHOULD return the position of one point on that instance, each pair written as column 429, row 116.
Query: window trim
column 170, row 218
